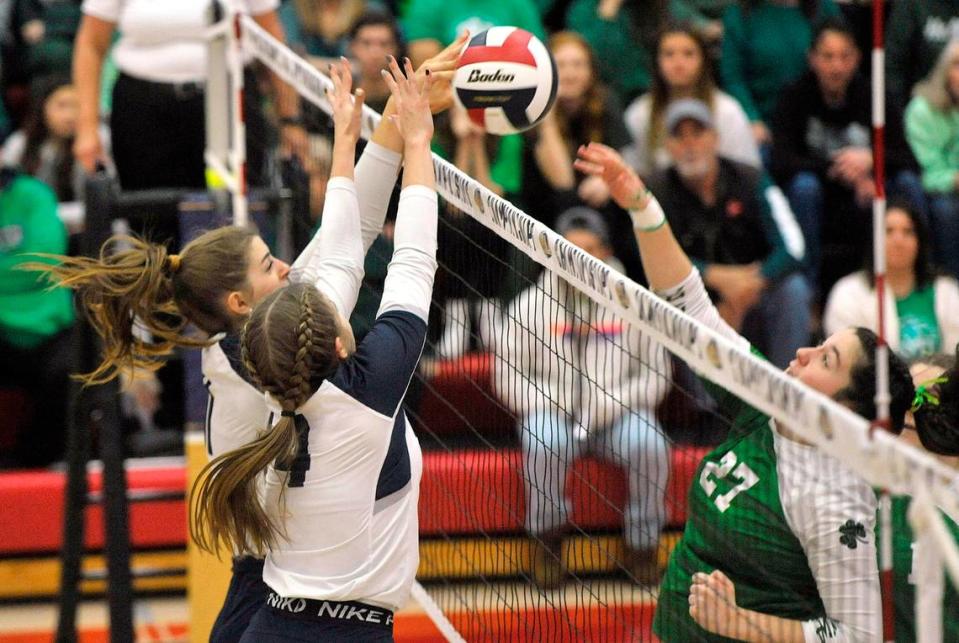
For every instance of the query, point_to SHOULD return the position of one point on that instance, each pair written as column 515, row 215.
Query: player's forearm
column 385, row 133
column 664, row 260
column 375, row 174
column 418, row 168
column 755, row 627
column 344, row 151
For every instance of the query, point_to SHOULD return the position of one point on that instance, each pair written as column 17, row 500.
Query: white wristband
column 649, row 218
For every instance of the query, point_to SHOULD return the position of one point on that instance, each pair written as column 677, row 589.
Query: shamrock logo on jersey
column 853, row 533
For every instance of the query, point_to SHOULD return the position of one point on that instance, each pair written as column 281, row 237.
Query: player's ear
column 340, row 348
column 236, row 304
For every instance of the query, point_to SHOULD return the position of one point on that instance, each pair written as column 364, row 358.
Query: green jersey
column 904, row 585
column 738, row 523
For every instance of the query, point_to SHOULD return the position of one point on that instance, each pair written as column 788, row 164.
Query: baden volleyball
column 506, row 80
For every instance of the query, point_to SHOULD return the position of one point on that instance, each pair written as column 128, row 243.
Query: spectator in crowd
column 473, row 258
column 916, row 32
column 36, row 350
column 932, row 128
column 582, row 381
column 683, row 71
column 322, row 28
column 737, row 228
column 157, row 124
column 921, row 308
column 44, row 147
column 822, row 155
column 430, row 24
column 704, row 15
column 46, row 29
column 622, row 34
column 374, row 36
column 764, row 49
column 586, row 110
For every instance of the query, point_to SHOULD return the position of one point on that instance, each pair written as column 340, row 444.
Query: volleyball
column 505, row 79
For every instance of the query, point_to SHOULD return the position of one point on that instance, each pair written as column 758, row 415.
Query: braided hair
column 288, row 347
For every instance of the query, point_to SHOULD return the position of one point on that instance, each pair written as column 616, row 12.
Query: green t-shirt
column 30, row 313
column 444, row 20
column 736, row 523
column 904, row 591
column 918, row 329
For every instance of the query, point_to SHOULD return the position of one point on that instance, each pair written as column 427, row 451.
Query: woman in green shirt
column 921, row 307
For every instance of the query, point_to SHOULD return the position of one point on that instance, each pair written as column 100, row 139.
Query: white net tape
column 878, row 457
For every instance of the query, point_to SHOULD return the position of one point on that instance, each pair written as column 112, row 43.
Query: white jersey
column 354, row 473
column 236, row 413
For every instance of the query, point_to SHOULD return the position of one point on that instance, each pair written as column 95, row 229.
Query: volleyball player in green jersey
column 790, row 526
column 935, row 427
column 932, row 425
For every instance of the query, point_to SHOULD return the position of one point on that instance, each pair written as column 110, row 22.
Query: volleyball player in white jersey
column 236, row 411
column 338, row 413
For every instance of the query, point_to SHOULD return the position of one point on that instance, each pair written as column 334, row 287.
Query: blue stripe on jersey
column 379, row 372
column 395, row 472
column 301, row 455
column 209, row 418
column 230, row 345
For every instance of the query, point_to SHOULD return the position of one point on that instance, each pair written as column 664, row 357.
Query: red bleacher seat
column 463, row 492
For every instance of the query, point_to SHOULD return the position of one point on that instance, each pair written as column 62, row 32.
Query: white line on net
column 880, row 459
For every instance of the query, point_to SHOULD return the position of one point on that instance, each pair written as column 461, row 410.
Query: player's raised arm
column 409, row 280
column 338, row 267
column 664, row 261
column 670, row 272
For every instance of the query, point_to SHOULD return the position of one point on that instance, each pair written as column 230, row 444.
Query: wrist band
column 649, row 218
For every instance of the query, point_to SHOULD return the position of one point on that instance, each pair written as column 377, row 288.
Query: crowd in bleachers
column 750, row 119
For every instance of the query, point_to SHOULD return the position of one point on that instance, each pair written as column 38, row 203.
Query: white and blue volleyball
column 506, row 80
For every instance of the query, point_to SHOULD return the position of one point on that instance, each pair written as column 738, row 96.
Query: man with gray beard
column 739, row 230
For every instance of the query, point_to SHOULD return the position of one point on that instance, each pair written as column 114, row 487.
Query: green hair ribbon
column 925, row 396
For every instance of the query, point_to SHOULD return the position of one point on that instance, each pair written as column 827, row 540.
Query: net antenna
column 878, row 457
column 886, row 576
column 225, row 153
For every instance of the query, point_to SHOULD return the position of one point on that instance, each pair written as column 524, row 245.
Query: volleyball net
column 561, row 422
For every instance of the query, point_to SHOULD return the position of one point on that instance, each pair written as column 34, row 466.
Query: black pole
column 78, row 453
column 116, row 524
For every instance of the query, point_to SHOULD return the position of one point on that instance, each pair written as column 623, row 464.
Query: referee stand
column 94, row 411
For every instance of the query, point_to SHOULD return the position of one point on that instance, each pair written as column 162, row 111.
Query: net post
column 879, row 262
column 238, row 138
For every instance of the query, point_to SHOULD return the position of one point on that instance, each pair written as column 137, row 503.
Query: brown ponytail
column 140, row 284
column 288, row 347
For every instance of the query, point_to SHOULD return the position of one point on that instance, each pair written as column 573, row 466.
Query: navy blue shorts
column 246, row 595
column 297, row 619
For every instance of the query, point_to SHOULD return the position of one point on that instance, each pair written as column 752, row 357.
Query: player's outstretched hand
column 347, row 109
column 442, row 66
column 411, row 93
column 625, row 186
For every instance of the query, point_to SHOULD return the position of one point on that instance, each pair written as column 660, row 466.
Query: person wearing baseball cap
column 737, row 227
